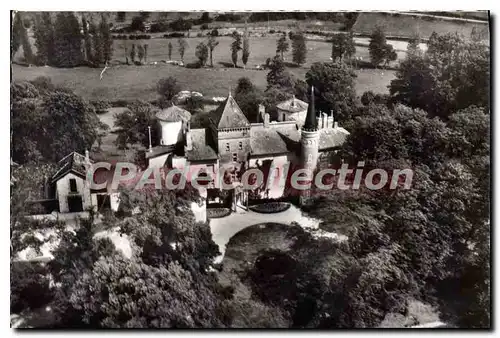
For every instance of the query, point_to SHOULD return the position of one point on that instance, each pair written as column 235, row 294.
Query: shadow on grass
column 228, row 65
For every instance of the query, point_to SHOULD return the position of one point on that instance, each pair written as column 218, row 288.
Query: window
column 235, row 157
column 72, row 185
column 284, row 117
column 240, row 145
column 227, row 147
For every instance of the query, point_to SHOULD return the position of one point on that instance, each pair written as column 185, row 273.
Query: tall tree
column 335, row 84
column 246, row 48
column 202, row 53
column 133, row 124
column 377, row 47
column 170, row 47
column 282, row 45
column 43, row 32
column 97, row 45
column 235, row 47
column 212, row 43
column 132, row 53
column 248, row 98
column 167, row 88
column 146, row 52
column 140, row 52
column 299, row 48
column 87, row 40
column 106, row 40
column 183, row 45
column 342, row 45
column 20, row 37
column 67, row 40
column 120, row 16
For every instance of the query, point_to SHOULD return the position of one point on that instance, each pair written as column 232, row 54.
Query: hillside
column 402, row 25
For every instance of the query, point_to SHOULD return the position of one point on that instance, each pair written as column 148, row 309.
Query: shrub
column 218, row 212
column 270, row 208
column 199, row 35
column 214, row 32
column 193, row 65
column 205, row 26
column 101, row 106
column 272, row 31
column 174, row 35
column 29, row 286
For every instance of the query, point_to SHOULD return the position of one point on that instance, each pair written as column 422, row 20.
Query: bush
column 173, row 35
column 180, row 25
column 101, row 106
column 193, row 65
column 218, row 212
column 214, row 32
column 205, row 26
column 29, row 286
column 270, row 208
column 199, row 35
column 272, row 31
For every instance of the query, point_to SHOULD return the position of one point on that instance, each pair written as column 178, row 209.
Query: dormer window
column 240, row 145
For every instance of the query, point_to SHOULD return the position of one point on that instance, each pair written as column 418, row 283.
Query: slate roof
column 229, row 115
column 201, row 150
column 173, row 114
column 332, row 138
column 293, row 105
column 74, row 163
column 277, row 139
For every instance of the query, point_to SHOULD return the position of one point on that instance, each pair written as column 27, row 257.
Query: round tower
column 310, row 138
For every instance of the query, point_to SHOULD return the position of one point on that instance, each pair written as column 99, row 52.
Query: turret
column 310, row 137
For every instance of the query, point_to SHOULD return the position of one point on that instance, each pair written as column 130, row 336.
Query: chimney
column 87, row 156
column 266, row 120
column 318, row 122
column 324, row 118
column 189, row 140
column 335, row 125
column 262, row 112
column 329, row 123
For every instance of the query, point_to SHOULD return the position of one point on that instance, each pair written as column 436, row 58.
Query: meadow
column 127, row 82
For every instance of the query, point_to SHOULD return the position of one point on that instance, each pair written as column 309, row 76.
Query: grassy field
column 403, row 25
column 122, row 82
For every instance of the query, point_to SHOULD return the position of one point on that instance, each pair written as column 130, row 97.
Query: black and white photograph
column 325, row 170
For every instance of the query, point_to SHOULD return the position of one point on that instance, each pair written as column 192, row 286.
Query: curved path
column 224, row 228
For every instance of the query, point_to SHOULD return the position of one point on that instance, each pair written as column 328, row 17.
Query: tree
column 120, row 16
column 36, row 128
column 299, row 48
column 342, row 45
column 20, row 38
column 140, row 53
column 282, row 45
column 334, row 83
column 413, row 47
column 440, row 81
column 133, row 124
column 248, row 98
column 278, row 75
column 67, row 40
column 146, row 52
column 170, row 47
column 205, row 18
column 87, row 40
column 377, row 47
column 98, row 47
column 183, row 45
column 212, row 43
column 235, row 47
column 132, row 53
column 246, row 49
column 390, row 54
column 137, row 24
column 202, row 53
column 167, row 88
column 43, row 32
column 106, row 40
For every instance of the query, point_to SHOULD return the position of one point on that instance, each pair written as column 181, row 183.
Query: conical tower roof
column 311, row 124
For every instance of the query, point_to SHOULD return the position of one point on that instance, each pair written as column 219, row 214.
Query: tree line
column 64, row 41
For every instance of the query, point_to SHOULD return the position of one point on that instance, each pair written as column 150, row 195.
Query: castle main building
column 301, row 136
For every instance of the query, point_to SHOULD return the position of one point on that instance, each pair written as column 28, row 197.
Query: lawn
column 122, row 82
column 406, row 26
